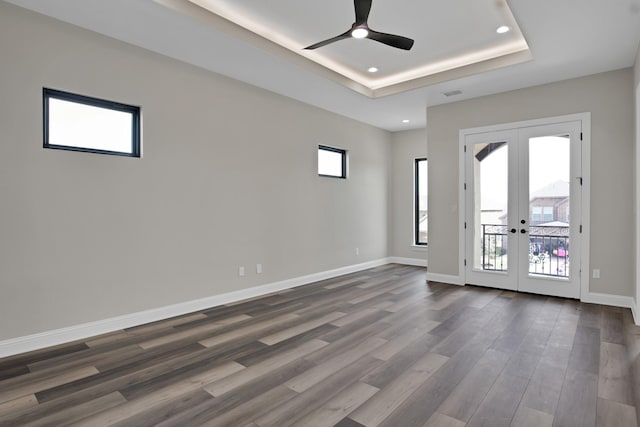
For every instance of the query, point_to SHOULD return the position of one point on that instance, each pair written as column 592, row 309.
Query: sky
column 548, row 163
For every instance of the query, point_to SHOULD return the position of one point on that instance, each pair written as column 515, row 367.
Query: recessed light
column 405, row 121
column 503, row 29
column 360, row 33
column 372, row 70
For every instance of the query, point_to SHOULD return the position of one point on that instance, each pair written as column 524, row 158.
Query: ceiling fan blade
column 342, row 36
column 362, row 7
column 391, row 40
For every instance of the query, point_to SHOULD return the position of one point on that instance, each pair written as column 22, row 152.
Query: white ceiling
column 566, row 38
column 443, row 41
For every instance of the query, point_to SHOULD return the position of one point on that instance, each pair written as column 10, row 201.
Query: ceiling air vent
column 452, row 93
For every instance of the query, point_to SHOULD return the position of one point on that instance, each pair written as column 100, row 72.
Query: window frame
column 93, row 102
column 343, row 154
column 416, row 209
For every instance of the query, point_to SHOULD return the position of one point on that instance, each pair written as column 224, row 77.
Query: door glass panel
column 549, row 221
column 491, row 189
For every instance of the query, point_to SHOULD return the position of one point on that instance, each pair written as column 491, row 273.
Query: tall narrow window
column 420, row 215
column 332, row 162
column 80, row 123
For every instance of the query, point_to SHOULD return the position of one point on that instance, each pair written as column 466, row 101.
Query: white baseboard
column 418, row 262
column 445, row 278
column 607, row 299
column 634, row 308
column 73, row 333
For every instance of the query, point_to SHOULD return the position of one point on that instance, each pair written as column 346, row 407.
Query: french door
column 523, row 199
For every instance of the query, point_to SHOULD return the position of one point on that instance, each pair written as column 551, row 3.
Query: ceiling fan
column 360, row 30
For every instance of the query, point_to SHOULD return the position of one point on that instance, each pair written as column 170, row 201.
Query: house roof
column 558, row 189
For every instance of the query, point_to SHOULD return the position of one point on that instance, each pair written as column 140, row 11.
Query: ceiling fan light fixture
column 359, row 33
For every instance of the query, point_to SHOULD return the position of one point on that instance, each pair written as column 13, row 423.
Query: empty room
column 340, row 213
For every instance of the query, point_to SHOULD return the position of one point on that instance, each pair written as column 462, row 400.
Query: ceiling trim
column 441, row 71
column 206, row 17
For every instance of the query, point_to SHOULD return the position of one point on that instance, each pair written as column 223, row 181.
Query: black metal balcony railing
column 548, row 249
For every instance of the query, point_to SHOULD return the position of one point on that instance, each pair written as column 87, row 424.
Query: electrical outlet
column 596, row 273
column 259, row 268
column 240, row 271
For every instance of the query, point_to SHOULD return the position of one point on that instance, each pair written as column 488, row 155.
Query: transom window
column 332, row 162
column 81, row 123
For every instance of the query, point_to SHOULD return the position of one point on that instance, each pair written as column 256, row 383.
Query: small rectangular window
column 80, row 123
column 332, row 162
column 536, row 214
column 420, row 215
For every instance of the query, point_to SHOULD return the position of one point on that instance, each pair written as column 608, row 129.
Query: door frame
column 585, row 119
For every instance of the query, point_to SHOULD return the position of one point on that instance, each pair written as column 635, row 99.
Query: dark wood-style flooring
column 378, row 347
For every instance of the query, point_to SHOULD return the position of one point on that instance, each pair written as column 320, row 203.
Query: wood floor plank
column 501, row 402
column 313, row 376
column 466, row 397
column 585, row 354
column 80, row 411
column 380, row 406
column 13, row 372
column 358, row 315
column 543, row 391
column 527, row 417
column 160, row 397
column 301, row 328
column 14, row 405
column 578, row 400
column 93, row 357
column 268, row 351
column 400, row 362
column 243, row 395
column 351, row 335
column 614, row 382
column 229, row 383
column 441, row 420
column 207, row 327
column 38, row 355
column 289, row 412
column 612, row 329
column 162, row 414
column 251, row 329
column 610, row 413
column 422, row 404
column 397, row 344
column 244, row 413
column 43, row 384
column 340, row 406
column 377, row 347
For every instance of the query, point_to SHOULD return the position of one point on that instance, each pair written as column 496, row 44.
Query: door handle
column 522, row 230
column 513, row 230
column 522, row 221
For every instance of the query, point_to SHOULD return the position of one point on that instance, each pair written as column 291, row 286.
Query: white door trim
column 585, row 118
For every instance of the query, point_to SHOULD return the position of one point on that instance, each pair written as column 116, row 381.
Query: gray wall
column 636, row 91
column 636, row 70
column 609, row 98
column 228, row 178
column 405, row 148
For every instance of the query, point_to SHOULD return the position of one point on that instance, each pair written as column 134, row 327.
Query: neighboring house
column 550, row 203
